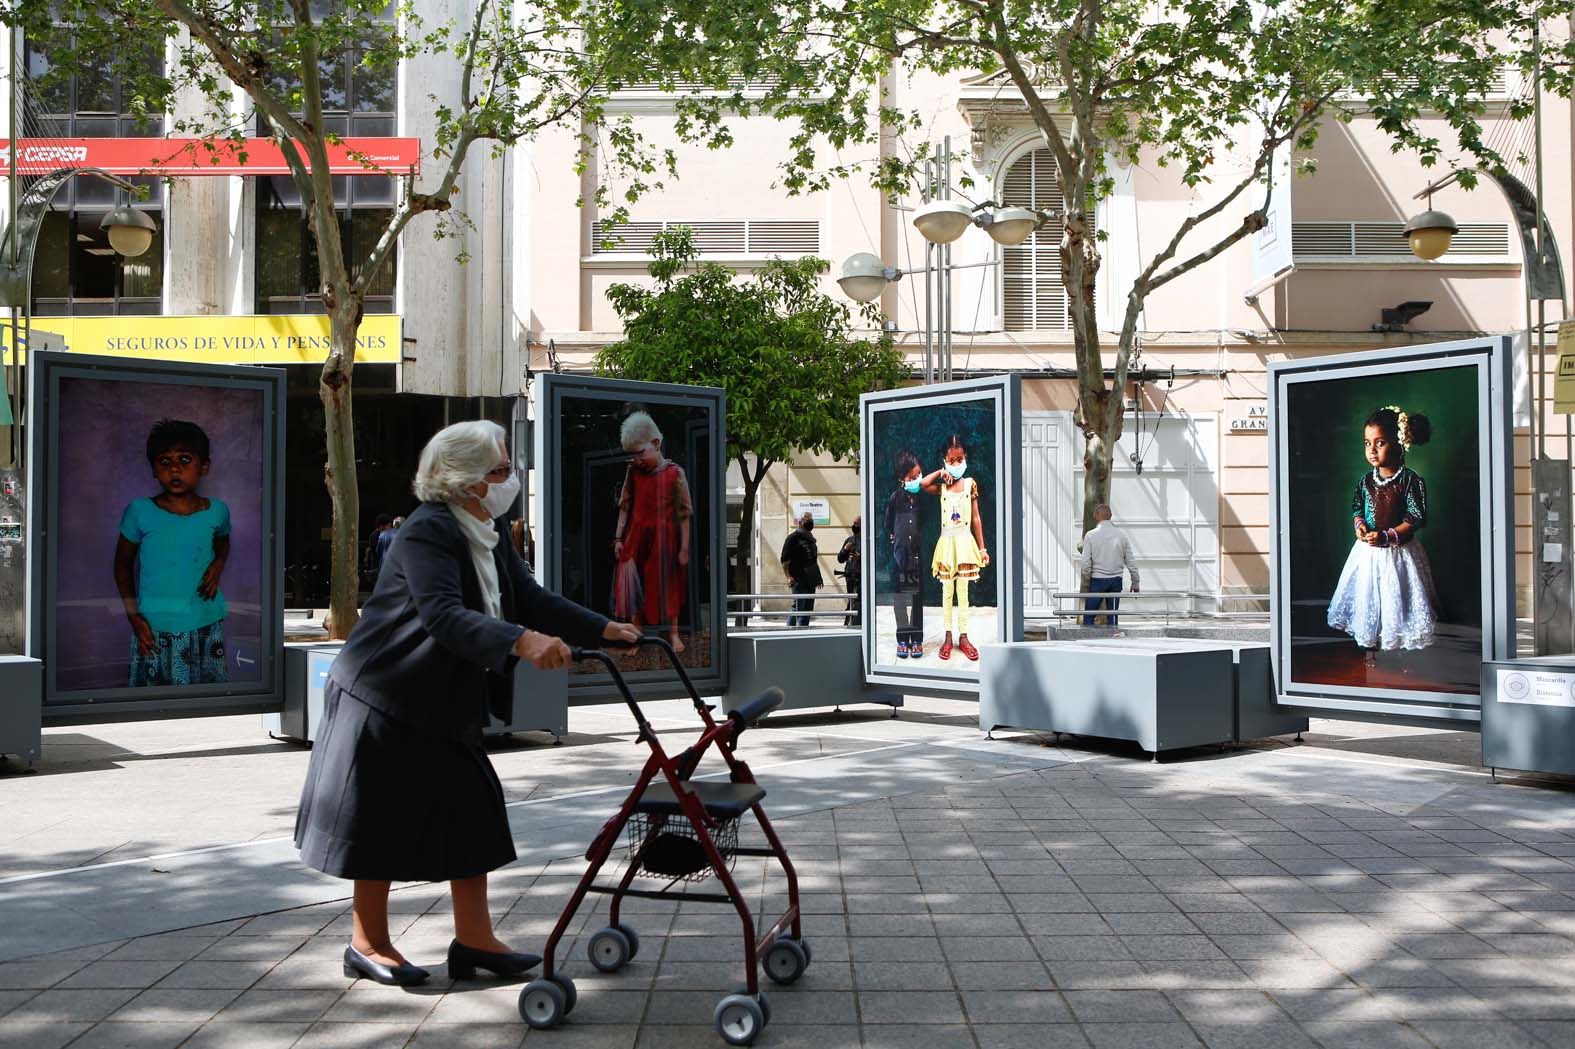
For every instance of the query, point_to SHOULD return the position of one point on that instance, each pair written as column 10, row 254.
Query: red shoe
column 967, row 648
column 946, row 649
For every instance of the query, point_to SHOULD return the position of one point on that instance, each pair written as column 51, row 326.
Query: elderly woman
column 399, row 787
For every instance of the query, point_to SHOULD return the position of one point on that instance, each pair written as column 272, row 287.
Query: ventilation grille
column 732, row 237
column 1373, row 240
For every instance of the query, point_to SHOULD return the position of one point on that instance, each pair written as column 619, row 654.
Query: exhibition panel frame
column 579, row 418
column 78, row 623
column 1404, row 641
column 925, row 417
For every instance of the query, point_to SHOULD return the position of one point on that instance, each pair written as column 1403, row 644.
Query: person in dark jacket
column 852, row 555
column 399, row 787
column 902, row 532
column 801, row 561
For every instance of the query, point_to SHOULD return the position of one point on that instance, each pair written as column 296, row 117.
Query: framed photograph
column 155, row 581
column 632, row 511
column 1392, row 535
column 940, row 470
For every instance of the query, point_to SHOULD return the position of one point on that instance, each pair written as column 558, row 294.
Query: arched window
column 1035, row 297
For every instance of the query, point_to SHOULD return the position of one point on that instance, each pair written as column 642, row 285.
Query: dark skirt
column 384, row 801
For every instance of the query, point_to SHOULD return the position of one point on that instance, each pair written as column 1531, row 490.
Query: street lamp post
column 940, row 220
column 1428, row 235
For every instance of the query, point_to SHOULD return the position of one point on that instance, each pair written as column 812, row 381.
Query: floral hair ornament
column 1402, row 425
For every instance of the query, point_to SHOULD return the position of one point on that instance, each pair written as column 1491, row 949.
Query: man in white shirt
column 1106, row 551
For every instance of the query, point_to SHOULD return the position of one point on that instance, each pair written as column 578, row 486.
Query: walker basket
column 667, row 846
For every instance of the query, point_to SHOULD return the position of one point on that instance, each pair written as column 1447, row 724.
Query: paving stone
column 72, row 1004
column 894, row 949
column 1001, row 976
column 1283, row 1035
column 217, row 1035
column 1094, row 1007
column 355, row 1036
column 1015, row 1007
column 278, row 1006
column 115, row 1035
column 1381, row 1035
column 468, row 1036
column 38, row 1034
column 908, row 1007
column 1031, row 1036
column 1226, row 1007
column 1477, row 1034
column 120, row 974
column 899, row 1036
column 908, row 976
column 1141, row 1036
column 175, row 1005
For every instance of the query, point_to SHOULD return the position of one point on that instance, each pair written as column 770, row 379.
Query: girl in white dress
column 1385, row 598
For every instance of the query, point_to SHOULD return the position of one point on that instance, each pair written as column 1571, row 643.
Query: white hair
column 455, row 458
column 638, row 428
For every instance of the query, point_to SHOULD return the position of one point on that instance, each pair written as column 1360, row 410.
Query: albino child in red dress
column 651, row 542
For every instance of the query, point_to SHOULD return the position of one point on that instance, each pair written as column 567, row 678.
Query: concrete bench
column 813, row 668
column 1160, row 699
column 541, row 697
column 1256, row 714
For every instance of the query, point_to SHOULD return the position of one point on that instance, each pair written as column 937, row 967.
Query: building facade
column 1191, row 478
column 232, row 277
column 446, row 338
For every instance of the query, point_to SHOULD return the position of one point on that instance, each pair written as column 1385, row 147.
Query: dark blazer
column 425, row 653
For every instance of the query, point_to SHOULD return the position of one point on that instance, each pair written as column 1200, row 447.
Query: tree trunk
column 746, row 521
column 339, row 474
column 1098, row 452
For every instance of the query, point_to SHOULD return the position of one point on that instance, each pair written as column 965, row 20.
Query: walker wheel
column 570, row 995
column 610, row 950
column 785, row 961
column 739, row 1019
column 542, row 1004
column 633, row 938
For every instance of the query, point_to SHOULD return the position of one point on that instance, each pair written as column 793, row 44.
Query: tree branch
column 227, row 55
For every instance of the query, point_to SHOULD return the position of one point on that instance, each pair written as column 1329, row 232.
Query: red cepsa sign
column 187, row 157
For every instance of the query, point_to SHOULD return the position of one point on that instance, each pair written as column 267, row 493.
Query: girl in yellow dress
column 960, row 552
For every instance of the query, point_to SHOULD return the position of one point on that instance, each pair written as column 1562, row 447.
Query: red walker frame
column 690, row 799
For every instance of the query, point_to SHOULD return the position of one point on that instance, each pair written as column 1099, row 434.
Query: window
column 75, row 271
column 288, row 277
column 715, row 237
column 359, row 101
column 1035, row 298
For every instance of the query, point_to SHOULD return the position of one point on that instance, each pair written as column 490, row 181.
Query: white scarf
column 482, row 537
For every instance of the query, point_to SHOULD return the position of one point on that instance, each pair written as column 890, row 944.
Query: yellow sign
column 261, row 339
column 1564, row 378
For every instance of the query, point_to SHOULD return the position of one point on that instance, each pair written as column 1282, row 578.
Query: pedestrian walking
column 1106, row 552
column 399, row 787
column 801, row 561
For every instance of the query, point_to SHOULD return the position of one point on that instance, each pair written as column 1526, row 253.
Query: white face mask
column 500, row 496
column 957, row 469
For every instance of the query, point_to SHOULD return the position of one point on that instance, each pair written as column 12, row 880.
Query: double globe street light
column 940, row 221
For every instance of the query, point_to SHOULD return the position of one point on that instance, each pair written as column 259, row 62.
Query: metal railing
column 1144, row 601
column 746, row 610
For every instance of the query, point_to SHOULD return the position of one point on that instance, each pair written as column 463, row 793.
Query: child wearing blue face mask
column 960, row 552
column 902, row 530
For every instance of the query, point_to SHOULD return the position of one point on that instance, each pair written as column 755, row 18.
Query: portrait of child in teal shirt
column 169, row 558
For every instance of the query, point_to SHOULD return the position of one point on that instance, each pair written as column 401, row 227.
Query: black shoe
column 464, row 961
column 402, row 975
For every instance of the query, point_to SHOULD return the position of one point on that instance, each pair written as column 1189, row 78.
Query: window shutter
column 1034, row 296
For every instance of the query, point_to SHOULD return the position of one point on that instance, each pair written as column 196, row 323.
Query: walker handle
column 759, row 707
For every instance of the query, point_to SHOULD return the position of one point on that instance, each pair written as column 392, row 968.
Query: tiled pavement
column 1271, row 899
